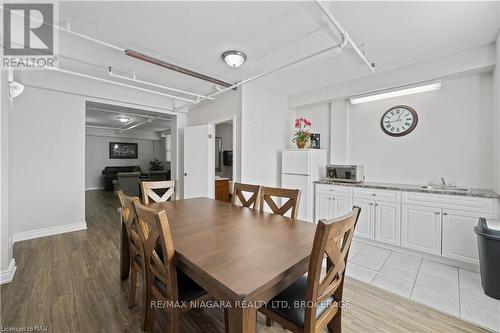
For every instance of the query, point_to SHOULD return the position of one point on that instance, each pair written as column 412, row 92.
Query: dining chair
column 293, row 196
column 137, row 263
column 166, row 286
column 319, row 299
column 239, row 195
column 158, row 191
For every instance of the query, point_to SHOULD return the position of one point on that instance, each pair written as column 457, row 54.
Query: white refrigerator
column 299, row 169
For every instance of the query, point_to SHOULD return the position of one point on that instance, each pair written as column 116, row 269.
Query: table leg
column 241, row 320
column 124, row 254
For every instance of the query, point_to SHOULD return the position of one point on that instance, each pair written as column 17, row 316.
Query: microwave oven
column 345, row 173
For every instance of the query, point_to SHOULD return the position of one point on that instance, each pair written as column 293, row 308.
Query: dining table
column 242, row 257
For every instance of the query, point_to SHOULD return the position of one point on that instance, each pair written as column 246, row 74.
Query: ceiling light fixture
column 123, row 119
column 234, row 58
column 395, row 92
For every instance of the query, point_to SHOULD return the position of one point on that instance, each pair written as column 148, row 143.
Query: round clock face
column 399, row 120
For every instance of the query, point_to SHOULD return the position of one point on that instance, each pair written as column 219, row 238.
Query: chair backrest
column 129, row 182
column 148, row 191
column 155, row 235
column 333, row 239
column 130, row 219
column 293, row 196
column 239, row 195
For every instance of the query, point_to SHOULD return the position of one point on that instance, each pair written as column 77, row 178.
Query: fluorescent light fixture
column 123, row 119
column 234, row 58
column 400, row 91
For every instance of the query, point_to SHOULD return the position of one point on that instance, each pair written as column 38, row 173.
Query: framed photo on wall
column 123, row 150
column 315, row 143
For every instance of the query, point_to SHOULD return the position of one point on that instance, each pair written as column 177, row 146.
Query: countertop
column 473, row 192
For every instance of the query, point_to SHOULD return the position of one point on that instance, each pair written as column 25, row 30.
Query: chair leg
column 335, row 325
column 269, row 322
column 150, row 317
column 133, row 285
column 145, row 301
column 226, row 321
column 173, row 321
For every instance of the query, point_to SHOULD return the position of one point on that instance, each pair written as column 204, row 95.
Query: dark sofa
column 110, row 173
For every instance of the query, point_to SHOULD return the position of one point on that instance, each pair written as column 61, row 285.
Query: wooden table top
column 236, row 252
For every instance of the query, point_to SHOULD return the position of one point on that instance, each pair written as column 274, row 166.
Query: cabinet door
column 323, row 209
column 388, row 222
column 421, row 229
column 341, row 206
column 459, row 239
column 365, row 226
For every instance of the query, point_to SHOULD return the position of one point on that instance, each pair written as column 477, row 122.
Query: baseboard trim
column 62, row 229
column 7, row 275
column 94, row 189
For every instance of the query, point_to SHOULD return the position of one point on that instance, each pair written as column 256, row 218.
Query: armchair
column 128, row 182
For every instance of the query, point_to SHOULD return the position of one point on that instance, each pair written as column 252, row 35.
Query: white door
column 459, row 239
column 365, row 226
column 421, row 228
column 199, row 161
column 304, row 184
column 388, row 222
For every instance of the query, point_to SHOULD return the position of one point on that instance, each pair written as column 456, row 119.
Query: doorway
column 223, row 159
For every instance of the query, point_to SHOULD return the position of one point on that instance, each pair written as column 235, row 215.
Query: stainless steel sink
column 444, row 188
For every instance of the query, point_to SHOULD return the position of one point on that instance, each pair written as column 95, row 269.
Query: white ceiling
column 194, row 34
column 106, row 116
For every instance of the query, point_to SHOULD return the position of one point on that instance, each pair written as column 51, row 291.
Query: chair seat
column 283, row 303
column 188, row 289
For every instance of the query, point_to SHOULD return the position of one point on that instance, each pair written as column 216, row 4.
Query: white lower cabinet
column 329, row 206
column 437, row 224
column 365, row 226
column 388, row 222
column 421, row 229
column 459, row 239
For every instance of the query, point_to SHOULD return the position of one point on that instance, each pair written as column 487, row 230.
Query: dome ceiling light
column 234, row 58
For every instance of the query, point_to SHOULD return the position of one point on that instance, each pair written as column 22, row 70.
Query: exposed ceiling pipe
column 57, row 69
column 133, row 79
column 345, row 36
column 312, row 55
column 149, row 120
column 126, row 113
column 175, row 68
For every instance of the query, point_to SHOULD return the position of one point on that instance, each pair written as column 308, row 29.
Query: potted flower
column 302, row 135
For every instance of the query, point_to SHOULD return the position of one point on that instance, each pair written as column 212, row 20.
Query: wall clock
column 399, row 120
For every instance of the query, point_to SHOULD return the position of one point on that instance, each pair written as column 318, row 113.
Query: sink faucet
column 443, row 182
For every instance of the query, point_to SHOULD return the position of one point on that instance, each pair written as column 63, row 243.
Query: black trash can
column 488, row 242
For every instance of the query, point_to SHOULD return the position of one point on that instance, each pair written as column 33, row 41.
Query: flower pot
column 301, row 144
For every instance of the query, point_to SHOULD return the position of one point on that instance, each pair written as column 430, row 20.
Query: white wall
column 453, row 138
column 97, row 153
column 265, row 133
column 225, row 132
column 5, row 231
column 47, row 160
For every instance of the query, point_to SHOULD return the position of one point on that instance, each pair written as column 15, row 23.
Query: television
column 227, row 157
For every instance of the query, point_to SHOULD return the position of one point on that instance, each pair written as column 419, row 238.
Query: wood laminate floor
column 70, row 283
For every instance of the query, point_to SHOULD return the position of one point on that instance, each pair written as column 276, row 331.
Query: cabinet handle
column 376, row 205
column 371, row 203
column 445, row 214
column 437, row 213
column 374, row 195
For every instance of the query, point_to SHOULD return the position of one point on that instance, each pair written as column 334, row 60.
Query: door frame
column 233, row 118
